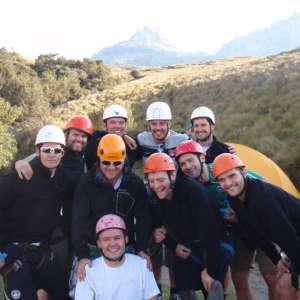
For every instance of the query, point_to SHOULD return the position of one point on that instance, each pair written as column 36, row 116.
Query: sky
column 77, row 29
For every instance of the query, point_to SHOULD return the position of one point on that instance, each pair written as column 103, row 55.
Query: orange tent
column 262, row 165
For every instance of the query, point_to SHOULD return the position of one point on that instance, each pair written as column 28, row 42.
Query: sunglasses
column 54, row 150
column 109, row 163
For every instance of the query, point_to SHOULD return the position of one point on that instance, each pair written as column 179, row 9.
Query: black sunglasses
column 108, row 163
column 54, row 150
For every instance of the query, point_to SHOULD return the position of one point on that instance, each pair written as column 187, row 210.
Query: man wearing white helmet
column 29, row 212
column 203, row 122
column 116, row 275
column 114, row 122
column 160, row 139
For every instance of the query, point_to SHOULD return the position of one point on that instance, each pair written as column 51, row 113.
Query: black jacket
column 216, row 148
column 91, row 157
column 73, row 165
column 96, row 197
column 193, row 214
column 30, row 209
column 270, row 214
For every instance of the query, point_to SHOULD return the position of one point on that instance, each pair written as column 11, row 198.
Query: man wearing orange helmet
column 269, row 214
column 191, row 159
column 110, row 187
column 116, row 275
column 187, row 219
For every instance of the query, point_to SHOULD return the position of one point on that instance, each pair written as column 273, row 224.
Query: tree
column 8, row 144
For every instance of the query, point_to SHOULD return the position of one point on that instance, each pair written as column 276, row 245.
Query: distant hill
column 146, row 48
column 281, row 36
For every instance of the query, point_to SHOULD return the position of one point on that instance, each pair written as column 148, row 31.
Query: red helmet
column 225, row 162
column 81, row 123
column 188, row 147
column 158, row 162
column 108, row 222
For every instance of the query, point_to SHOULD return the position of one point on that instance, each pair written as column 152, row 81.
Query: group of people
column 77, row 222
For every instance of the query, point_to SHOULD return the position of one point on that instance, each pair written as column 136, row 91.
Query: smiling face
column 50, row 160
column 160, row 183
column 115, row 126
column 111, row 172
column 233, row 182
column 203, row 129
column 191, row 166
column 76, row 140
column 112, row 243
column 159, row 129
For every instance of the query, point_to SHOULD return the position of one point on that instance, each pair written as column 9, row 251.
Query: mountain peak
column 147, row 37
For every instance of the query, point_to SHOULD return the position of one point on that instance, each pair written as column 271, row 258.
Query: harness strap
column 14, row 266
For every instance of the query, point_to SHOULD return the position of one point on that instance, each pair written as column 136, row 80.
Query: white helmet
column 203, row 112
column 158, row 111
column 115, row 111
column 50, row 134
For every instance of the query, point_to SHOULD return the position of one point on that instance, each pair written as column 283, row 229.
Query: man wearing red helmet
column 269, row 214
column 116, row 275
column 195, row 230
column 78, row 131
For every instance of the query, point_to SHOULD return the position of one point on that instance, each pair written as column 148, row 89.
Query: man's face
column 115, row 126
column 112, row 243
column 190, row 165
column 76, row 140
column 111, row 172
column 233, row 182
column 159, row 129
column 160, row 183
column 50, row 160
column 202, row 128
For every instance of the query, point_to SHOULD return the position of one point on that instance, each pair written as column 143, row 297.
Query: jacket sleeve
column 80, row 219
column 10, row 187
column 280, row 211
column 143, row 218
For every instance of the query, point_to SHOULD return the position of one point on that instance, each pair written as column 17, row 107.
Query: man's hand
column 232, row 149
column 160, row 234
column 81, row 268
column 284, row 264
column 23, row 168
column 130, row 142
column 182, row 251
column 207, row 280
column 145, row 256
column 173, row 132
column 232, row 219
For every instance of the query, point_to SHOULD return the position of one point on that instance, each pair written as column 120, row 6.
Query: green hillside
column 256, row 102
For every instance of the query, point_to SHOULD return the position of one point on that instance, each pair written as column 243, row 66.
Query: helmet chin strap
column 172, row 182
column 245, row 185
column 208, row 137
column 119, row 259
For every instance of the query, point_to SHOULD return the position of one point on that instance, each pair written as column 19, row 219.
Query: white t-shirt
column 131, row 281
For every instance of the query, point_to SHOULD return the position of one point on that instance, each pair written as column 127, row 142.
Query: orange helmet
column 111, row 148
column 225, row 162
column 158, row 162
column 188, row 147
column 81, row 123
